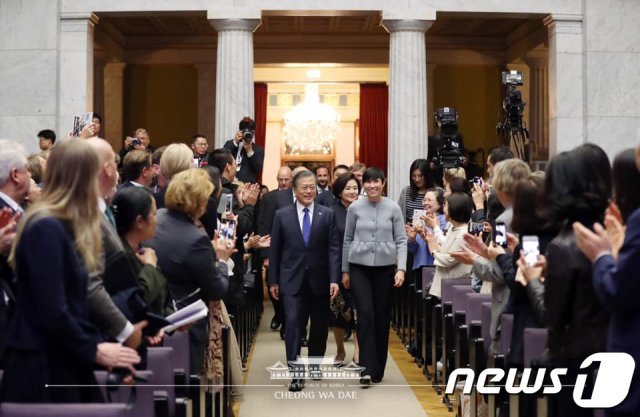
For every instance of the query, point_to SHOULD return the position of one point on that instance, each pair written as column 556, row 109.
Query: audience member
column 246, row 152
column 323, row 178
column 200, row 147
column 51, row 341
column 46, row 139
column 195, row 267
column 137, row 170
column 411, row 197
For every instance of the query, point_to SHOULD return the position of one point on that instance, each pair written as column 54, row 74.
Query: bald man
column 104, row 314
column 284, row 178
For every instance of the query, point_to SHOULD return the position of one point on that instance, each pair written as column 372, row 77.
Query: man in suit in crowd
column 137, row 170
column 272, row 201
column 248, row 155
column 14, row 188
column 304, row 268
column 104, row 314
column 200, row 148
column 326, row 199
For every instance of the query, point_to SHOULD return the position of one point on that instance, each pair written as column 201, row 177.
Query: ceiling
column 362, row 24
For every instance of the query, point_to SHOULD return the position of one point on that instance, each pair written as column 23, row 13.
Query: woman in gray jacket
column 373, row 261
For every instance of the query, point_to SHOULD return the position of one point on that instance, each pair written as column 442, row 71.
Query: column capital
column 406, row 25
column 238, row 19
column 565, row 20
column 79, row 17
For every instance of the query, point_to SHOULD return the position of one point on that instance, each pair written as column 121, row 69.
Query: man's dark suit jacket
column 326, row 198
column 7, row 289
column 291, row 261
column 50, row 334
column 272, row 201
column 250, row 167
column 617, row 285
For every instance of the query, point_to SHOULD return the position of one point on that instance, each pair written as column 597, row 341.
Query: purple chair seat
column 459, row 301
column 143, row 406
column 66, row 410
column 535, row 342
column 160, row 361
column 474, row 303
column 447, row 287
column 179, row 341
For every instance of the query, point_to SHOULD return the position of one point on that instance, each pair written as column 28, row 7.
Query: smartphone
column 417, row 218
column 500, row 234
column 227, row 230
column 475, row 228
column 531, row 248
column 226, row 203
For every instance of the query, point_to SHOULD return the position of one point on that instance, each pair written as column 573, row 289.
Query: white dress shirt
column 300, row 208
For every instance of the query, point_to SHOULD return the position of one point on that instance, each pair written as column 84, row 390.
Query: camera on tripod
column 512, row 104
column 450, row 154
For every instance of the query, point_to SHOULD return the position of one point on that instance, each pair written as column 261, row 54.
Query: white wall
column 612, row 46
column 28, row 69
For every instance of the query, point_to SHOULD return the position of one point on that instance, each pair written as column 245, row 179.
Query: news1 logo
column 609, row 389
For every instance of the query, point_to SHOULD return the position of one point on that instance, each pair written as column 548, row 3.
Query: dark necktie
column 306, row 225
column 109, row 214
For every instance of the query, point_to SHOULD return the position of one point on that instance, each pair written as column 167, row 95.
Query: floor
column 404, row 390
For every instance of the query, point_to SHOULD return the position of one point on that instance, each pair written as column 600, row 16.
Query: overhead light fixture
column 310, row 127
column 313, row 74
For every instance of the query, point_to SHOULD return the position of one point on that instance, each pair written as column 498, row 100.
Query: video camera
column 450, row 154
column 512, row 104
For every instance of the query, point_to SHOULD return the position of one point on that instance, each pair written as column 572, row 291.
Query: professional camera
column 512, row 104
column 450, row 153
column 247, row 135
column 513, row 129
column 247, row 126
column 136, row 142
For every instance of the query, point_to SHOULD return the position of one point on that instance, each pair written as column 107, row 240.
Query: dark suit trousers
column 297, row 310
column 277, row 305
column 371, row 287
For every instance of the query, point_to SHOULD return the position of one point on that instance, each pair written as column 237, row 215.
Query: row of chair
column 169, row 391
column 454, row 332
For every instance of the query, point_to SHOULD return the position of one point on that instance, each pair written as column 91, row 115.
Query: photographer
column 140, row 141
column 248, row 155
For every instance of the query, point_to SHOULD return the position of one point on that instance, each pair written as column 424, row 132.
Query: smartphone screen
column 500, row 234
column 531, row 248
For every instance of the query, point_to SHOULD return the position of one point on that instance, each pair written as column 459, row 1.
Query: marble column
column 75, row 81
column 566, row 118
column 538, row 105
column 431, row 98
column 113, row 104
column 407, row 99
column 234, row 75
column 207, row 101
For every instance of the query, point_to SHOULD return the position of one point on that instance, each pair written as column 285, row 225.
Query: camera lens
column 247, row 136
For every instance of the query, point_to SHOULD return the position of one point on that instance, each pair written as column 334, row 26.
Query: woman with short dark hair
column 374, row 259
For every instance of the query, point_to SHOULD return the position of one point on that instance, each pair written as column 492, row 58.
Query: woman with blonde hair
column 50, row 339
column 176, row 158
column 194, row 265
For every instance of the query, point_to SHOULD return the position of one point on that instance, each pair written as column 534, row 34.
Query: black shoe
column 296, row 385
column 275, row 323
column 365, row 380
column 282, row 332
column 376, row 380
column 305, row 342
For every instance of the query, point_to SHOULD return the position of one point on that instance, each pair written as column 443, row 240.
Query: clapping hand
column 411, row 232
column 527, row 272
column 476, row 245
column 464, row 255
column 430, row 220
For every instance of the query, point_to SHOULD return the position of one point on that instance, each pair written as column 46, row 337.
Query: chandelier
column 310, row 127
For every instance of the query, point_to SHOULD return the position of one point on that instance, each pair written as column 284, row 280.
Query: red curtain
column 260, row 95
column 374, row 121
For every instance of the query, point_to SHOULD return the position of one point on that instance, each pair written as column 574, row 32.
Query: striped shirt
column 411, row 205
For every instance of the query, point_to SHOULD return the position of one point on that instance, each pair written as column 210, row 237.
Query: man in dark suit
column 137, row 170
column 248, row 155
column 272, row 201
column 14, row 188
column 304, row 268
